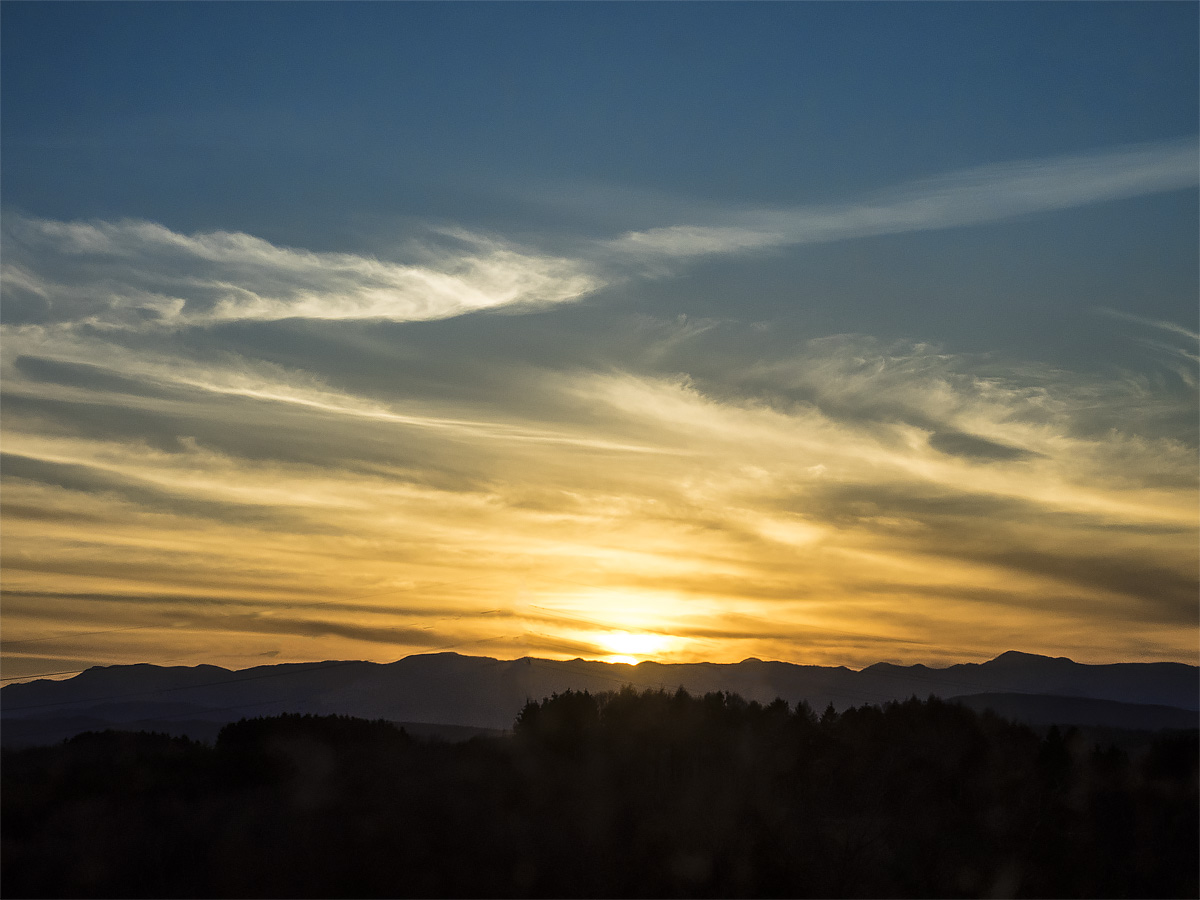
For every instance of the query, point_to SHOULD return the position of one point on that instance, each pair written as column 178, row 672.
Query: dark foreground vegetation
column 626, row 794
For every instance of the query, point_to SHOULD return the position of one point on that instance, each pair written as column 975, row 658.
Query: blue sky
column 968, row 230
column 331, row 126
column 373, row 107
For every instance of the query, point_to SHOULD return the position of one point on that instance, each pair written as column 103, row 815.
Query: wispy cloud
column 168, row 434
column 872, row 478
column 136, row 274
column 1170, row 327
column 139, row 274
column 974, row 196
column 1177, row 348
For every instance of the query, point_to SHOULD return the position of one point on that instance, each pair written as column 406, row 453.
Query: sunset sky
column 826, row 333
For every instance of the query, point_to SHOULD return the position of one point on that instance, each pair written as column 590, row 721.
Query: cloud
column 146, row 494
column 137, row 274
column 214, row 416
column 771, row 487
column 971, row 197
column 1169, row 327
column 1175, row 346
column 959, row 443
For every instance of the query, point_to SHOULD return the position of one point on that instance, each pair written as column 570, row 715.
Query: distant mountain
column 1042, row 709
column 1166, row 684
column 447, row 689
column 39, row 732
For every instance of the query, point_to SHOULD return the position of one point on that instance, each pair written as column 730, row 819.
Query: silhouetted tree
column 627, row 793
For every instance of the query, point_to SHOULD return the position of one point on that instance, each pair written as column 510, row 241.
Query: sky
column 829, row 333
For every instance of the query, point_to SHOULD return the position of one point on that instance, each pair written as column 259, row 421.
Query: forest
column 623, row 794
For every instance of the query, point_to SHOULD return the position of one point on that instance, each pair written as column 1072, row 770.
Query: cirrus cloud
column 135, row 274
column 214, row 416
column 984, row 194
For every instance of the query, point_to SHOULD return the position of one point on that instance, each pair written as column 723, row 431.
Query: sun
column 631, row 647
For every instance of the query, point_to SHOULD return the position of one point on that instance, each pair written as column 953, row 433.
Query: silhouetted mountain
column 40, row 732
column 481, row 692
column 1041, row 710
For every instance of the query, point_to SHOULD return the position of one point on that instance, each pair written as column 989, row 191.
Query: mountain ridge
column 451, row 689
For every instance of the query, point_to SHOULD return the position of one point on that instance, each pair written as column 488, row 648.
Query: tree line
column 622, row 794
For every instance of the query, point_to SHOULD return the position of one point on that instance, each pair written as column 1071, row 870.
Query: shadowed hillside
column 637, row 794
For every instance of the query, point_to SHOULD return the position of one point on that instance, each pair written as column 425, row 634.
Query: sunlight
column 628, row 647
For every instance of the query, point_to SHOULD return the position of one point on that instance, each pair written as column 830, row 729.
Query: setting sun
column 631, row 648
column 756, row 388
column 599, row 449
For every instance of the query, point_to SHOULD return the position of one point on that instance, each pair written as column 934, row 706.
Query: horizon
column 65, row 676
column 828, row 334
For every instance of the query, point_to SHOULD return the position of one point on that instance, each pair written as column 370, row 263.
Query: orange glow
column 630, row 647
column 672, row 527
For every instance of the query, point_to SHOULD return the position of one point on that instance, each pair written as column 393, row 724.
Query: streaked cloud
column 894, row 485
column 317, row 455
column 1172, row 328
column 1175, row 347
column 971, row 197
column 135, row 274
